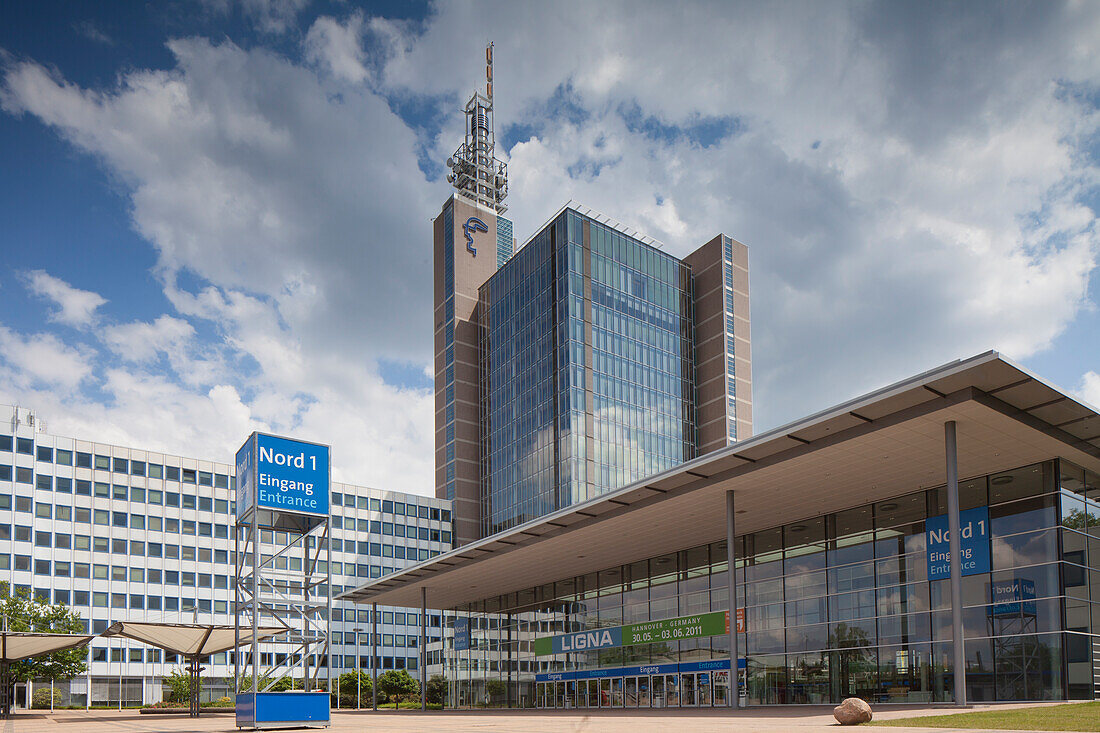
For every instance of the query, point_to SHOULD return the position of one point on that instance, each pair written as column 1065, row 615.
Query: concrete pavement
column 766, row 720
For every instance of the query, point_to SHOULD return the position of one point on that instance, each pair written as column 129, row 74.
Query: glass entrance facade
column 847, row 604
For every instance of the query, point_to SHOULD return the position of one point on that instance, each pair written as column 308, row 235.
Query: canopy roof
column 190, row 640
column 16, row 645
column 875, row 447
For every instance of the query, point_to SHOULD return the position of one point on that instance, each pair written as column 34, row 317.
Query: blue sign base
column 265, row 710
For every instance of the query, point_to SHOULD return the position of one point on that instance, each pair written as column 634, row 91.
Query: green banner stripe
column 669, row 629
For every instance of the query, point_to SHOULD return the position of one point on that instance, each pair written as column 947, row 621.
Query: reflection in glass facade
column 836, row 606
column 586, row 369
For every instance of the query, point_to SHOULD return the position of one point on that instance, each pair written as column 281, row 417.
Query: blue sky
column 216, row 212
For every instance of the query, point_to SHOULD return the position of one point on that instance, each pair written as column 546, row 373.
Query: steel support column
column 423, row 648
column 731, row 563
column 374, row 655
column 954, row 547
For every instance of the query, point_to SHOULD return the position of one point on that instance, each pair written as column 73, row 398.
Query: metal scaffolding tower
column 290, row 587
column 475, row 170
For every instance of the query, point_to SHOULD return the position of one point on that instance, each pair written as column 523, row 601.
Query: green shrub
column 40, row 700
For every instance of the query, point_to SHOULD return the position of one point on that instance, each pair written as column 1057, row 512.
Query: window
column 137, row 548
column 118, row 572
column 152, row 603
column 101, row 544
column 118, row 519
column 80, row 597
column 84, row 460
column 119, row 492
column 5, row 443
column 137, row 521
column 63, row 457
column 23, row 503
column 5, row 473
column 43, row 511
column 221, row 481
column 118, row 546
column 22, row 533
column 24, row 446
column 102, row 490
column 154, row 549
column 82, row 542
column 103, row 463
column 121, row 465
column 171, row 499
column 154, row 497
column 189, row 501
column 63, row 485
column 188, row 476
column 62, row 541
column 62, row 569
column 187, row 554
column 83, row 514
column 23, row 475
column 83, row 487
column 154, row 523
column 221, row 506
column 42, row 567
column 154, row 470
column 137, row 468
column 22, row 562
column 42, row 539
column 137, row 493
column 44, row 453
column 172, row 473
column 206, row 478
column 99, row 599
column 43, row 483
column 206, row 504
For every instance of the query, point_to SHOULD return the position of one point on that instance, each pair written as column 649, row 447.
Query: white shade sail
column 190, row 640
column 17, row 645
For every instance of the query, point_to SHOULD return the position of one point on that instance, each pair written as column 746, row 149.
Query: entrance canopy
column 17, row 645
column 189, row 640
column 875, row 447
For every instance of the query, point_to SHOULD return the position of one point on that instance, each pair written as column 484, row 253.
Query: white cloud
column 75, row 307
column 41, row 361
column 142, row 342
column 1090, row 388
column 335, row 46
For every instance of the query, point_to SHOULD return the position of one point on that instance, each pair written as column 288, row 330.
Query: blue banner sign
column 462, row 634
column 1014, row 597
column 973, row 543
column 282, row 474
column 646, row 669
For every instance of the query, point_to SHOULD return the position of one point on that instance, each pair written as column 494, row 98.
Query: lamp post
column 358, row 669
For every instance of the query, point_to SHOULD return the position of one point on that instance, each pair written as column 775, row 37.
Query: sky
column 217, row 213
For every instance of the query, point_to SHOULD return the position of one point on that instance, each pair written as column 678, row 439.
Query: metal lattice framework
column 267, row 592
column 475, row 170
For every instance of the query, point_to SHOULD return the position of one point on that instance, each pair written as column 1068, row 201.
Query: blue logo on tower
column 473, row 224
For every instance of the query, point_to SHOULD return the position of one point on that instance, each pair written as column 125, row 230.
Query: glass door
column 702, row 689
column 571, row 694
column 721, row 682
column 593, row 693
column 559, row 694
column 617, row 692
column 643, row 692
column 672, row 690
column 658, row 682
column 631, row 693
column 687, row 690
column 605, row 692
column 540, row 694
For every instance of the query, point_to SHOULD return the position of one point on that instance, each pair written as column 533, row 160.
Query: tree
column 179, row 686
column 495, row 689
column 397, row 684
column 437, row 689
column 26, row 614
column 350, row 695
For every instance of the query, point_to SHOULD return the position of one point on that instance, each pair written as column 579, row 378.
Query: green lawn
column 1077, row 716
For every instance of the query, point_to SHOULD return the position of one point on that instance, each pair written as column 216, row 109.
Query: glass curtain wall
column 836, row 606
column 587, row 373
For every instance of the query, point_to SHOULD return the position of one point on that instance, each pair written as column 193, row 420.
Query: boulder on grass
column 852, row 711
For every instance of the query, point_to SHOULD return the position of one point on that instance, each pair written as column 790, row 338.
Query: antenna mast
column 475, row 171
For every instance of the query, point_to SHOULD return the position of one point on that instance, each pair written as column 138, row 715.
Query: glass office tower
column 590, row 365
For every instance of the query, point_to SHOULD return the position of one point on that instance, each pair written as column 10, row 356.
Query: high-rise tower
column 471, row 240
column 588, row 359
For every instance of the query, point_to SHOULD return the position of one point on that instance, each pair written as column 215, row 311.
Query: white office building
column 121, row 533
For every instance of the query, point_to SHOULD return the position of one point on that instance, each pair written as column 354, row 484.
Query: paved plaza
column 588, row 721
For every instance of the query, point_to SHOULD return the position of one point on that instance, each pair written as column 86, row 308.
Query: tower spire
column 475, row 171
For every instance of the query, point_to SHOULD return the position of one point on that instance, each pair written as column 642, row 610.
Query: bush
column 345, row 685
column 437, row 689
column 40, row 700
